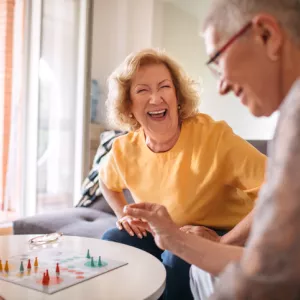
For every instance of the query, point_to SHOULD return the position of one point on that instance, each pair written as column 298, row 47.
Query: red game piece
column 29, row 264
column 47, row 275
column 45, row 279
column 57, row 269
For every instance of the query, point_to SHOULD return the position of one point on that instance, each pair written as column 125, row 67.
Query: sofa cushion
column 77, row 221
column 91, row 190
column 102, row 205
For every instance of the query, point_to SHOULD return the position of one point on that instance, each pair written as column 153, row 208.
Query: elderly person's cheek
column 170, row 96
column 138, row 106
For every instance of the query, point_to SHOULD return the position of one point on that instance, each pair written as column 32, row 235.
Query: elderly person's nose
column 224, row 86
column 156, row 98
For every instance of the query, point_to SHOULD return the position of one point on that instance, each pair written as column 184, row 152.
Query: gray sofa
column 81, row 221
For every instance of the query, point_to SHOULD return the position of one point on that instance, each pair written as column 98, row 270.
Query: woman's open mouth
column 158, row 114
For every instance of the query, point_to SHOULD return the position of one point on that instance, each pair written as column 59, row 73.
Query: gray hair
column 228, row 16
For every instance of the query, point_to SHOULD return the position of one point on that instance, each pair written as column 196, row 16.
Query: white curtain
column 14, row 171
column 57, row 104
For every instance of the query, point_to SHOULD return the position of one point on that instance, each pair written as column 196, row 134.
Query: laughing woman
column 206, row 176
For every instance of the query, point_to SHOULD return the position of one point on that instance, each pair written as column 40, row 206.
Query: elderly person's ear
column 270, row 34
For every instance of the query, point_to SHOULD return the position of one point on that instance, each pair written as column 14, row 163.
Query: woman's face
column 154, row 101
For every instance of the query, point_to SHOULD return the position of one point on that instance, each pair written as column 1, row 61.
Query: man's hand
column 126, row 223
column 201, row 231
column 155, row 219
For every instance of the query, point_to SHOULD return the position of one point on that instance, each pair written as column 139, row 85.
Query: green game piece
column 21, row 267
column 88, row 254
column 99, row 262
column 89, row 265
column 92, row 262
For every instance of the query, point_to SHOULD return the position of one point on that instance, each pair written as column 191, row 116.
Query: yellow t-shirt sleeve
column 244, row 164
column 110, row 170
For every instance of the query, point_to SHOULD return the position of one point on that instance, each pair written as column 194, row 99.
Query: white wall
column 119, row 27
column 109, row 43
column 123, row 26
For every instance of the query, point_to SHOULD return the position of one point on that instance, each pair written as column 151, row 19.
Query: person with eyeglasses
column 254, row 48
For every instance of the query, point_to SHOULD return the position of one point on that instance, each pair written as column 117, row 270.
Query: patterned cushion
column 91, row 191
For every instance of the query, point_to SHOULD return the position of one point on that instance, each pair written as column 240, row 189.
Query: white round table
column 142, row 278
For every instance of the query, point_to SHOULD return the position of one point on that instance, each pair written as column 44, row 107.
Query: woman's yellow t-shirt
column 210, row 177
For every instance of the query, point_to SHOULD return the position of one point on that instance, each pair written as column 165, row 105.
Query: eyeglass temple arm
column 242, row 31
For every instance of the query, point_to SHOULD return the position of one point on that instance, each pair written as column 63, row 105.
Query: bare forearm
column 210, row 256
column 115, row 200
column 239, row 234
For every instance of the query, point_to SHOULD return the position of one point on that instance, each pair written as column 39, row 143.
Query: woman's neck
column 162, row 144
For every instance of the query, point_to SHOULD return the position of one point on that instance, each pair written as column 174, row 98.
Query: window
column 47, row 152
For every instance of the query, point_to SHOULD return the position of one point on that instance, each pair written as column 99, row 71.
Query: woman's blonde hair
column 118, row 102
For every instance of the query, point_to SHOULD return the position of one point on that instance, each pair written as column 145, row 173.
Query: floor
column 6, row 228
column 6, row 219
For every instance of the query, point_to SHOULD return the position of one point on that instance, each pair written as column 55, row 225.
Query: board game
column 52, row 270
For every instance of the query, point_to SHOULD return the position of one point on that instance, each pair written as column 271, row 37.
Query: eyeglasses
column 215, row 67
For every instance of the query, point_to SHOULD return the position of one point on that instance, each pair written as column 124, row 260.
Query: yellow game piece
column 36, row 262
column 1, row 268
column 6, row 268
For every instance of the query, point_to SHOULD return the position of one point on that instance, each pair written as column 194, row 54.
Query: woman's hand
column 155, row 219
column 126, row 223
column 202, row 231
